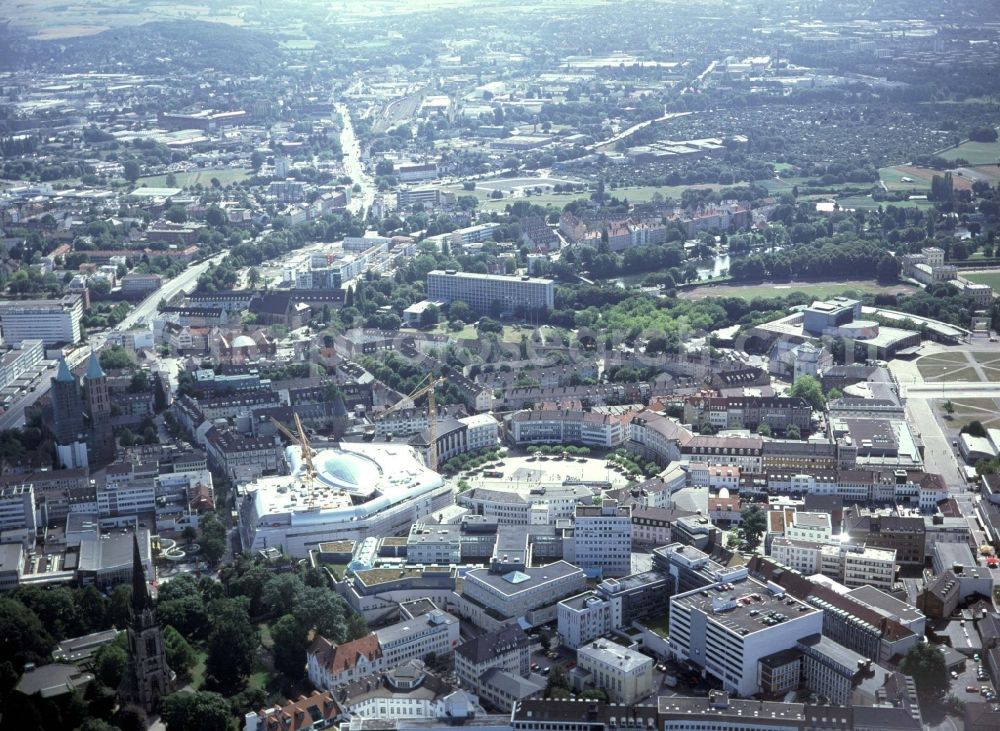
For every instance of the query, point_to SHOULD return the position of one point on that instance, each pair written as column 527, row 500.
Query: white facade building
column 625, row 675
column 726, row 629
column 51, row 321
column 602, row 538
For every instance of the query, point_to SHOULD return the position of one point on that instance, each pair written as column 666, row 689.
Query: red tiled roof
column 338, row 658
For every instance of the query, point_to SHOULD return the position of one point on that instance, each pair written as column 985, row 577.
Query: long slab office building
column 481, row 291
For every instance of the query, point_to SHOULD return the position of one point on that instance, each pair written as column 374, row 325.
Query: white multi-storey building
column 726, row 628
column 51, row 321
column 489, row 293
column 849, row 564
column 585, row 617
column 15, row 363
column 810, row 527
column 17, row 514
column 602, row 538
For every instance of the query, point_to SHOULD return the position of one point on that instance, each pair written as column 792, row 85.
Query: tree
column 215, row 217
column 557, row 680
column 198, row 711
column 132, row 170
column 176, row 214
column 181, row 657
column 24, row 637
column 949, row 407
column 792, row 432
column 131, row 718
column 281, row 593
column 753, row 523
column 171, row 180
column 109, row 664
column 231, row 645
column 975, row 428
column 429, row 317
column 983, row 134
column 253, row 277
column 213, row 538
column 764, row 430
column 808, row 388
column 290, row 643
column 256, row 160
column 319, row 607
column 888, row 269
column 459, row 310
column 925, row 663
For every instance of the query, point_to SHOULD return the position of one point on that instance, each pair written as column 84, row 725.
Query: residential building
column 315, row 711
column 496, row 667
column 566, row 427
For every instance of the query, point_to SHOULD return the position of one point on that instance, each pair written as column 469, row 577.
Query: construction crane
column 431, row 415
column 302, row 440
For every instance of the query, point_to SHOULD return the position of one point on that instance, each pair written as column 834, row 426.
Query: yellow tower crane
column 303, row 441
column 431, row 416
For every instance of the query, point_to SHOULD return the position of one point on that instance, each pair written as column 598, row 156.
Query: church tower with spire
column 66, row 418
column 101, row 439
column 147, row 678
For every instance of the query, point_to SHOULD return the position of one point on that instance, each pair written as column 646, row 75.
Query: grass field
column 984, row 411
column 859, row 202
column 892, row 179
column 977, row 153
column 947, row 374
column 819, row 290
column 188, row 179
column 990, row 278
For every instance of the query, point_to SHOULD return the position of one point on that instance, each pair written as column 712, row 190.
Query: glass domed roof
column 348, row 470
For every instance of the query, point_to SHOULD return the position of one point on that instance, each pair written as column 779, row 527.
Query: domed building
column 354, row 491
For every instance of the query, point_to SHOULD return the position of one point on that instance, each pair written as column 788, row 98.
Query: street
column 353, row 166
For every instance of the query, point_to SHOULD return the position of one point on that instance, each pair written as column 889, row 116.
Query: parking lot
column 968, row 682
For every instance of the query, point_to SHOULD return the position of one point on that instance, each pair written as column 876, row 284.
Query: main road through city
column 360, row 203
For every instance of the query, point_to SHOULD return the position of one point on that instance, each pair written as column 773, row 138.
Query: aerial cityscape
column 565, row 365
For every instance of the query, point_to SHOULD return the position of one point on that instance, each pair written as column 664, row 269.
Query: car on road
column 971, row 689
